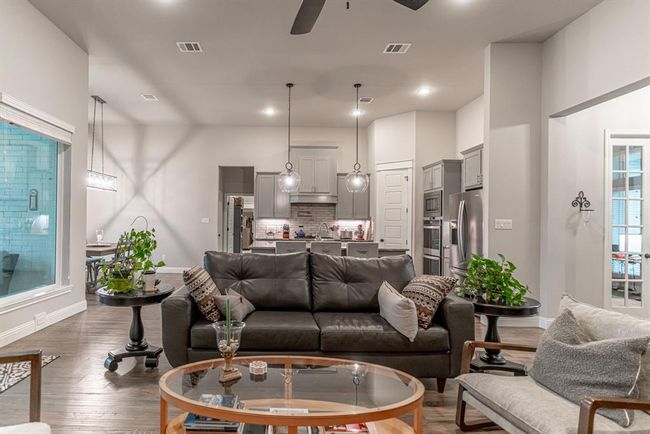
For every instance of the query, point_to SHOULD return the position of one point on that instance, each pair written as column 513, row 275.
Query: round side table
column 137, row 345
column 492, row 360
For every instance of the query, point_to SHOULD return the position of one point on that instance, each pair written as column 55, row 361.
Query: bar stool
column 363, row 250
column 326, row 247
column 290, row 246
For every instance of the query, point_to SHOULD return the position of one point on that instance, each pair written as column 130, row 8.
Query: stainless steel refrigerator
column 466, row 224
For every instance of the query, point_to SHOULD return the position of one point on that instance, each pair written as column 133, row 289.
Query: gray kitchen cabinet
column 270, row 202
column 317, row 168
column 432, row 177
column 473, row 168
column 351, row 205
column 428, row 178
column 436, row 175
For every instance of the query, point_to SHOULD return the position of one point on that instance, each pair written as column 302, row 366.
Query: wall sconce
column 583, row 203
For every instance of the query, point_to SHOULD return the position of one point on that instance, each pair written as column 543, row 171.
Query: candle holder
column 228, row 339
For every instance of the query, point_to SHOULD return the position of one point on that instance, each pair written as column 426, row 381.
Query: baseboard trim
column 30, row 327
column 529, row 321
column 172, row 270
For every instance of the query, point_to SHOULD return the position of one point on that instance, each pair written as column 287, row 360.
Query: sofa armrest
column 457, row 316
column 178, row 314
column 589, row 406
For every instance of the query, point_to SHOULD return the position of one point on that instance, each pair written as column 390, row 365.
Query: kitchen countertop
column 270, row 244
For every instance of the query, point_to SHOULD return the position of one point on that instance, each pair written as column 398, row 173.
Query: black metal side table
column 492, row 360
column 137, row 345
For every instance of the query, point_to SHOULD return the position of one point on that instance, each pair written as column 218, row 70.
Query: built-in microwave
column 433, row 204
column 431, row 265
column 431, row 244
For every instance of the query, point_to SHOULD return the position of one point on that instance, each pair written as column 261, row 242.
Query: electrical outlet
column 40, row 318
column 503, row 224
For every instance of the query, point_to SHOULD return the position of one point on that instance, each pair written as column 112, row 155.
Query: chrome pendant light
column 99, row 180
column 289, row 179
column 357, row 181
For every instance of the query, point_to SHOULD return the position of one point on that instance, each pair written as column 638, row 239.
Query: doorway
column 627, row 234
column 394, row 198
column 236, row 203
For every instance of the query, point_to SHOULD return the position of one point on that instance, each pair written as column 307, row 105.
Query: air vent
column 397, row 48
column 149, row 97
column 366, row 99
column 189, row 47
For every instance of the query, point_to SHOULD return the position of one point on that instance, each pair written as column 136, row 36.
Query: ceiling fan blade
column 307, row 16
column 412, row 4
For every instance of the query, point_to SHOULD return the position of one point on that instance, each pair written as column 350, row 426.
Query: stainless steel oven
column 433, row 204
column 432, row 243
column 431, row 265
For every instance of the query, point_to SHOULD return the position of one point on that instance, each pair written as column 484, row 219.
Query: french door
column 628, row 234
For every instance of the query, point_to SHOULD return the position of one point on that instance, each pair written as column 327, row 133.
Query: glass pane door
column 628, row 232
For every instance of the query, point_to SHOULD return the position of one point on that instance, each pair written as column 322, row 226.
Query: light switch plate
column 503, row 224
column 205, row 220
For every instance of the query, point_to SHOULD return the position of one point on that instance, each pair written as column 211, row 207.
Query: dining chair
column 290, row 246
column 363, row 250
column 326, row 247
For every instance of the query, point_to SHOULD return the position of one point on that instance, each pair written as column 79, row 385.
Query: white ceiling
column 249, row 55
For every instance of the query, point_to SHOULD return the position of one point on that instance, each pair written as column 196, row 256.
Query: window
column 28, row 209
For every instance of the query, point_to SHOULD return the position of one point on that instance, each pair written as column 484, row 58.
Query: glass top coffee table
column 297, row 391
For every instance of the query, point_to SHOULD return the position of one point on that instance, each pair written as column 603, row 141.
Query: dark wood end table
column 492, row 360
column 137, row 345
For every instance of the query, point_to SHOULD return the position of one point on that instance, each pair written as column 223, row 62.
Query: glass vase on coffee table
column 228, row 339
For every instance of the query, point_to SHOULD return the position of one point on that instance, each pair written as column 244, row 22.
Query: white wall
column 41, row 66
column 171, row 176
column 512, row 140
column 470, row 122
column 604, row 50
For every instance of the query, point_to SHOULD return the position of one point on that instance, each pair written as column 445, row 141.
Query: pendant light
column 289, row 179
column 356, row 181
column 99, row 180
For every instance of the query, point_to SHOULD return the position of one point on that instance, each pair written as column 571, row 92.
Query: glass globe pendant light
column 289, row 179
column 357, row 181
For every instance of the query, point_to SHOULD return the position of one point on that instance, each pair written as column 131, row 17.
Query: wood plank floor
column 80, row 396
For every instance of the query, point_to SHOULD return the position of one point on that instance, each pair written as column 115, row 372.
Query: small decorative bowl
column 258, row 367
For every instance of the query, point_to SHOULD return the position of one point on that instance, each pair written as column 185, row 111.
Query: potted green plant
column 132, row 261
column 493, row 281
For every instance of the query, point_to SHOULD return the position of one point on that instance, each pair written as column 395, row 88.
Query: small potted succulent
column 493, row 282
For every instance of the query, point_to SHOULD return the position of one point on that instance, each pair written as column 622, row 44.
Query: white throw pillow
column 399, row 311
column 604, row 324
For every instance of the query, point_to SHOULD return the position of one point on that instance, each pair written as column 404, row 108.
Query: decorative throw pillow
column 427, row 292
column 573, row 366
column 203, row 290
column 399, row 311
column 240, row 307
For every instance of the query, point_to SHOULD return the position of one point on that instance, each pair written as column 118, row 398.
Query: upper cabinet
column 440, row 175
column 351, row 205
column 317, row 168
column 270, row 201
column 473, row 168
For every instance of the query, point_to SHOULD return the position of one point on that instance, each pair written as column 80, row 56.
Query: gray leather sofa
column 314, row 304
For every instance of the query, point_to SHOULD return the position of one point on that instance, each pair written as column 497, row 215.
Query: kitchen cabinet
column 433, row 176
column 473, row 168
column 428, row 178
column 351, row 205
column 437, row 176
column 317, row 168
column 270, row 202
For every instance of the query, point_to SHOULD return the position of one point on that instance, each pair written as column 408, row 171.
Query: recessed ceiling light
column 356, row 113
column 424, row 91
column 269, row 111
column 149, row 97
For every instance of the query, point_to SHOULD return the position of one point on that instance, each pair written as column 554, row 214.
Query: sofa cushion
column 266, row 331
column 345, row 284
column 602, row 324
column 203, row 290
column 535, row 409
column 240, row 307
column 399, row 311
column 427, row 292
column 565, row 362
column 356, row 332
column 271, row 282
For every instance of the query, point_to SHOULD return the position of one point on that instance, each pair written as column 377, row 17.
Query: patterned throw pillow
column 203, row 290
column 427, row 292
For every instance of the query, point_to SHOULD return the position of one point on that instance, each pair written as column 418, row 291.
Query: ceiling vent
column 397, row 48
column 149, row 97
column 189, row 47
column 366, row 100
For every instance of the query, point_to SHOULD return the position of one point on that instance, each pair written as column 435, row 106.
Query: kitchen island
column 268, row 246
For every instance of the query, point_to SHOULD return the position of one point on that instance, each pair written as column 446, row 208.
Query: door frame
column 399, row 165
column 609, row 135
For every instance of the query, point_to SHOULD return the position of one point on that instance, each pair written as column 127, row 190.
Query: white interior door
column 393, row 205
column 628, row 233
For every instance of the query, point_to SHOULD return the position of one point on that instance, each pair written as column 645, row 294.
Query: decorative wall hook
column 583, row 203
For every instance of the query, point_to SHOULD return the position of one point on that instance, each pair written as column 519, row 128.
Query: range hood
column 313, row 198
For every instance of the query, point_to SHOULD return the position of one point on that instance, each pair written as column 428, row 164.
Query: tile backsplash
column 310, row 216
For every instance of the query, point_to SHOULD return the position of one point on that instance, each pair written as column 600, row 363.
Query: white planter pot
column 149, row 282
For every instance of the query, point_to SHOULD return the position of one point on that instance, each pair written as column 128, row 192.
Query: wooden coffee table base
column 390, row 426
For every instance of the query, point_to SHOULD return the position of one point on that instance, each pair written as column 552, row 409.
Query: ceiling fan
column 310, row 10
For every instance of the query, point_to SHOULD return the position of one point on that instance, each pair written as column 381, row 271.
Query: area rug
column 13, row 373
